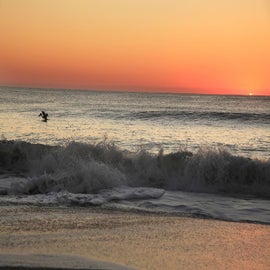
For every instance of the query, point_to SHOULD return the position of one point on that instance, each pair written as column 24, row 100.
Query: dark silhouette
column 44, row 116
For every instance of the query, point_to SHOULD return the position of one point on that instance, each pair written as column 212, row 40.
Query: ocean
column 204, row 156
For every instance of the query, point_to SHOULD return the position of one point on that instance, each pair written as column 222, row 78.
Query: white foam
column 67, row 198
column 86, row 168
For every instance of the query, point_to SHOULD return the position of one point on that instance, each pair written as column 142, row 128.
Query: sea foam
column 80, row 168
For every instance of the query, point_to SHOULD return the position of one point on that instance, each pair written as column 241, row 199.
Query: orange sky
column 202, row 46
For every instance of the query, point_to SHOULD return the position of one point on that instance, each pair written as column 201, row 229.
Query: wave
column 263, row 118
column 80, row 168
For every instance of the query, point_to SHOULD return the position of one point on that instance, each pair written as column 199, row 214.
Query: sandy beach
column 136, row 240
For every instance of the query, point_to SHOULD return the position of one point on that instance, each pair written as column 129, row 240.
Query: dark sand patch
column 54, row 262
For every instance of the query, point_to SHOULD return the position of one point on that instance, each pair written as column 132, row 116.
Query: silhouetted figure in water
column 44, row 116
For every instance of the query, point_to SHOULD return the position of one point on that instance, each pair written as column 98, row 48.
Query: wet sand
column 137, row 240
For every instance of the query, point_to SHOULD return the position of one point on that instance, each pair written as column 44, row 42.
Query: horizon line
column 148, row 90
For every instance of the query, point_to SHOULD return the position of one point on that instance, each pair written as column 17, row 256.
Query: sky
column 196, row 46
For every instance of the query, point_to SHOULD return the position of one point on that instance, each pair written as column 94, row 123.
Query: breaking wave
column 80, row 168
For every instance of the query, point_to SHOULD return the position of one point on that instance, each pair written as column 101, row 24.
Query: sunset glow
column 199, row 46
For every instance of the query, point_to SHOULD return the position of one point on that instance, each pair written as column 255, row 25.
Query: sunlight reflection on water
column 133, row 120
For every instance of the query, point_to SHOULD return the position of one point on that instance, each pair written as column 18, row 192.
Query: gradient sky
column 202, row 46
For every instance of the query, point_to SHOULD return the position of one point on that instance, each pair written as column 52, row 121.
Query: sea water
column 196, row 155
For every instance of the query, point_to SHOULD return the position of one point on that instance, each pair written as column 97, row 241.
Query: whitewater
column 188, row 155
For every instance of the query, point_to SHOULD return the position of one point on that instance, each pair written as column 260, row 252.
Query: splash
column 80, row 168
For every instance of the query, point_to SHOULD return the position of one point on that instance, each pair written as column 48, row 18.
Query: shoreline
column 136, row 240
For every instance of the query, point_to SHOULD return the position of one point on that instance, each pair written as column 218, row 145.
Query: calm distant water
column 195, row 155
column 138, row 120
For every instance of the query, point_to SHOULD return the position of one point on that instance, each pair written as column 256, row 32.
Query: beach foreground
column 136, row 240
